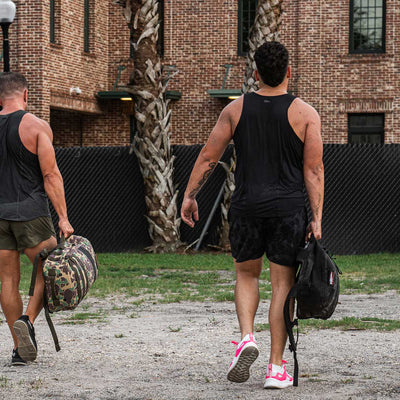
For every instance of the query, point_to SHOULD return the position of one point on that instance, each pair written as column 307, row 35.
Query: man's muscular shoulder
column 35, row 125
column 301, row 115
column 234, row 111
column 31, row 128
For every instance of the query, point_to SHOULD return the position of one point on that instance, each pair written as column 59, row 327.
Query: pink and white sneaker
column 246, row 354
column 277, row 377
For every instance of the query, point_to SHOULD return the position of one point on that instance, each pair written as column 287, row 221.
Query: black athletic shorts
column 277, row 237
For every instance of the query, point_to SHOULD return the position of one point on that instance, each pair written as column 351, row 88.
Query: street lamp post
column 7, row 15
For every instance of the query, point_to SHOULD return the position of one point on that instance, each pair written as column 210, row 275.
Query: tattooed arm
column 203, row 180
column 314, row 170
column 208, row 158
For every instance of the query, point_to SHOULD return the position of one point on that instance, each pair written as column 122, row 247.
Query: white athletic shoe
column 246, row 354
column 277, row 377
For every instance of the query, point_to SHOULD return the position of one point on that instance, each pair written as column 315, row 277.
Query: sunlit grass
column 211, row 277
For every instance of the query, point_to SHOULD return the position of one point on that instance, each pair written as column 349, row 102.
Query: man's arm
column 313, row 168
column 206, row 162
column 53, row 182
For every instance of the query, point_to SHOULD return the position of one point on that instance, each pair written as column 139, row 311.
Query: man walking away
column 28, row 170
column 279, row 149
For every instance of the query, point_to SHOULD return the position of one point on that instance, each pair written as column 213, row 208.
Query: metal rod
column 6, row 46
column 120, row 69
column 228, row 67
column 206, row 226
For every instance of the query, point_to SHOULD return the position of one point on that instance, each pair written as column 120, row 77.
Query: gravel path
column 182, row 351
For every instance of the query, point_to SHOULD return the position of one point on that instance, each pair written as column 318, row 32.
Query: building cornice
column 365, row 105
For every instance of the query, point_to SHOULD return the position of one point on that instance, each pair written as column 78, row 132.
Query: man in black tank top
column 278, row 146
column 28, row 171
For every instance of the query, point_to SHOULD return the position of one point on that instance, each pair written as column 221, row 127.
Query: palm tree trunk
column 266, row 27
column 152, row 141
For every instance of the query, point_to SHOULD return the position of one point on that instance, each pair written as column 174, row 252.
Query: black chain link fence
column 362, row 198
column 105, row 197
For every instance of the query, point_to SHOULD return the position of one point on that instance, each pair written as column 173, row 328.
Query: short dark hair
column 272, row 60
column 12, row 82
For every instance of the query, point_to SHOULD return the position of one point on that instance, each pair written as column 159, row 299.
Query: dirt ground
column 182, row 351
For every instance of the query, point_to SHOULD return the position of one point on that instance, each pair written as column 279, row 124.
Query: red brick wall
column 68, row 127
column 68, row 65
column 200, row 36
column 53, row 69
column 29, row 51
column 324, row 74
column 337, row 82
column 119, row 48
column 111, row 128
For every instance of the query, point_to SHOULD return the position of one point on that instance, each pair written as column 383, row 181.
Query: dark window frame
column 55, row 22
column 352, row 50
column 52, row 21
column 240, row 50
column 87, row 27
column 160, row 43
column 366, row 129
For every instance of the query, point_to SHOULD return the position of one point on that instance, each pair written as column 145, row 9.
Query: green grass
column 344, row 324
column 204, row 276
column 84, row 317
column 3, row 381
column 374, row 273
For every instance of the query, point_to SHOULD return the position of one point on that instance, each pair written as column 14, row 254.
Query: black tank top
column 22, row 195
column 269, row 171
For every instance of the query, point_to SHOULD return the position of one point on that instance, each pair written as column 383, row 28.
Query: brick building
column 344, row 56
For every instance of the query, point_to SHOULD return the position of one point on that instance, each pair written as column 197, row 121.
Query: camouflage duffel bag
column 69, row 270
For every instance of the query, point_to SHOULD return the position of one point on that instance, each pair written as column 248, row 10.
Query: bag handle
column 43, row 255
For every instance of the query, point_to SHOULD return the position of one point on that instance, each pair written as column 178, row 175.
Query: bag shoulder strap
column 52, row 329
column 289, row 329
column 42, row 256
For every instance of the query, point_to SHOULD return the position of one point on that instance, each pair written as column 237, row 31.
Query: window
column 160, row 43
column 52, row 22
column 366, row 128
column 367, row 26
column 246, row 17
column 55, row 21
column 87, row 26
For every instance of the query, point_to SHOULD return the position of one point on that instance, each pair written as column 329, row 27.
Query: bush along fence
column 105, row 197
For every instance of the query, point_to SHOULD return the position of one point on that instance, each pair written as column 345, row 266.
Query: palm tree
column 265, row 28
column 152, row 141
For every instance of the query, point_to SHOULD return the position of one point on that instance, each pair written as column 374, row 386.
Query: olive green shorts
column 20, row 235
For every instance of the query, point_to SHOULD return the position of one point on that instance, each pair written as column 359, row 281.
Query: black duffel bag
column 316, row 291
